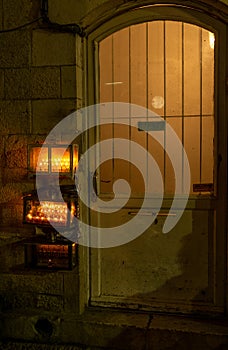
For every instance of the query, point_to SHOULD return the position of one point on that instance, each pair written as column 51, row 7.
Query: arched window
column 171, row 61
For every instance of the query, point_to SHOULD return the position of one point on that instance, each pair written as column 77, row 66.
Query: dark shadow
column 192, row 304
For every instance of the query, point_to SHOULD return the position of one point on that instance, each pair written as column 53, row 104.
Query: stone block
column 12, row 301
column 17, row 83
column 11, row 192
column 91, row 5
column 2, row 92
column 14, row 157
column 33, row 346
column 32, row 281
column 11, row 253
column 15, row 175
column 60, row 13
column 16, row 152
column 164, row 339
column 45, row 82
column 37, row 83
column 2, row 151
column 68, row 79
column 15, row 117
column 53, row 303
column 47, row 113
column 79, row 82
column 71, row 291
column 16, row 13
column 1, row 15
column 52, row 49
column 22, row 326
column 106, row 329
column 11, row 215
column 15, row 49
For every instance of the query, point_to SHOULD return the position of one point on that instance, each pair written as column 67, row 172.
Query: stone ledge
column 33, row 346
column 118, row 330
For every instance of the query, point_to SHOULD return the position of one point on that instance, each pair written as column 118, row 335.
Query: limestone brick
column 2, row 152
column 37, row 83
column 45, row 82
column 1, row 15
column 11, row 254
column 52, row 49
column 47, row 113
column 2, row 92
column 12, row 192
column 101, row 329
column 71, row 291
column 16, row 175
column 91, row 4
column 50, row 302
column 17, row 83
column 16, row 13
column 16, row 151
column 11, row 214
column 30, row 346
column 61, row 13
column 33, row 281
column 68, row 79
column 15, row 117
column 13, row 157
column 23, row 326
column 15, row 49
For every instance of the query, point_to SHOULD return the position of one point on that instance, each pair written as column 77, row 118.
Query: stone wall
column 40, row 84
column 40, row 81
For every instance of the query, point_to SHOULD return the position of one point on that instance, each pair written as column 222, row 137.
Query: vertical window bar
column 129, row 100
column 164, row 72
column 113, row 116
column 182, row 117
column 147, row 97
column 201, row 102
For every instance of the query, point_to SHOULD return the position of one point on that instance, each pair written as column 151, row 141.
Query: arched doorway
column 171, row 61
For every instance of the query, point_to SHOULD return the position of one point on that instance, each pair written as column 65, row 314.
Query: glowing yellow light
column 212, row 40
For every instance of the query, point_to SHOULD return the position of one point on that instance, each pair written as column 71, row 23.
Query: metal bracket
column 44, row 8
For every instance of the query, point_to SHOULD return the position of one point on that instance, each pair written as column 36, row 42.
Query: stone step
column 97, row 330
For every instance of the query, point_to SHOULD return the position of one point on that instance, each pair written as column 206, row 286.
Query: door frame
column 176, row 13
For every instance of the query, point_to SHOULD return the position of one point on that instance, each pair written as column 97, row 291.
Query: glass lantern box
column 52, row 211
column 40, row 254
column 52, row 159
column 50, row 249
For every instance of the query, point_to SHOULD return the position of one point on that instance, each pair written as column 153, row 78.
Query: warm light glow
column 38, row 160
column 75, row 158
column 53, row 159
column 59, row 162
column 48, row 212
column 52, row 251
column 43, row 165
column 212, row 40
